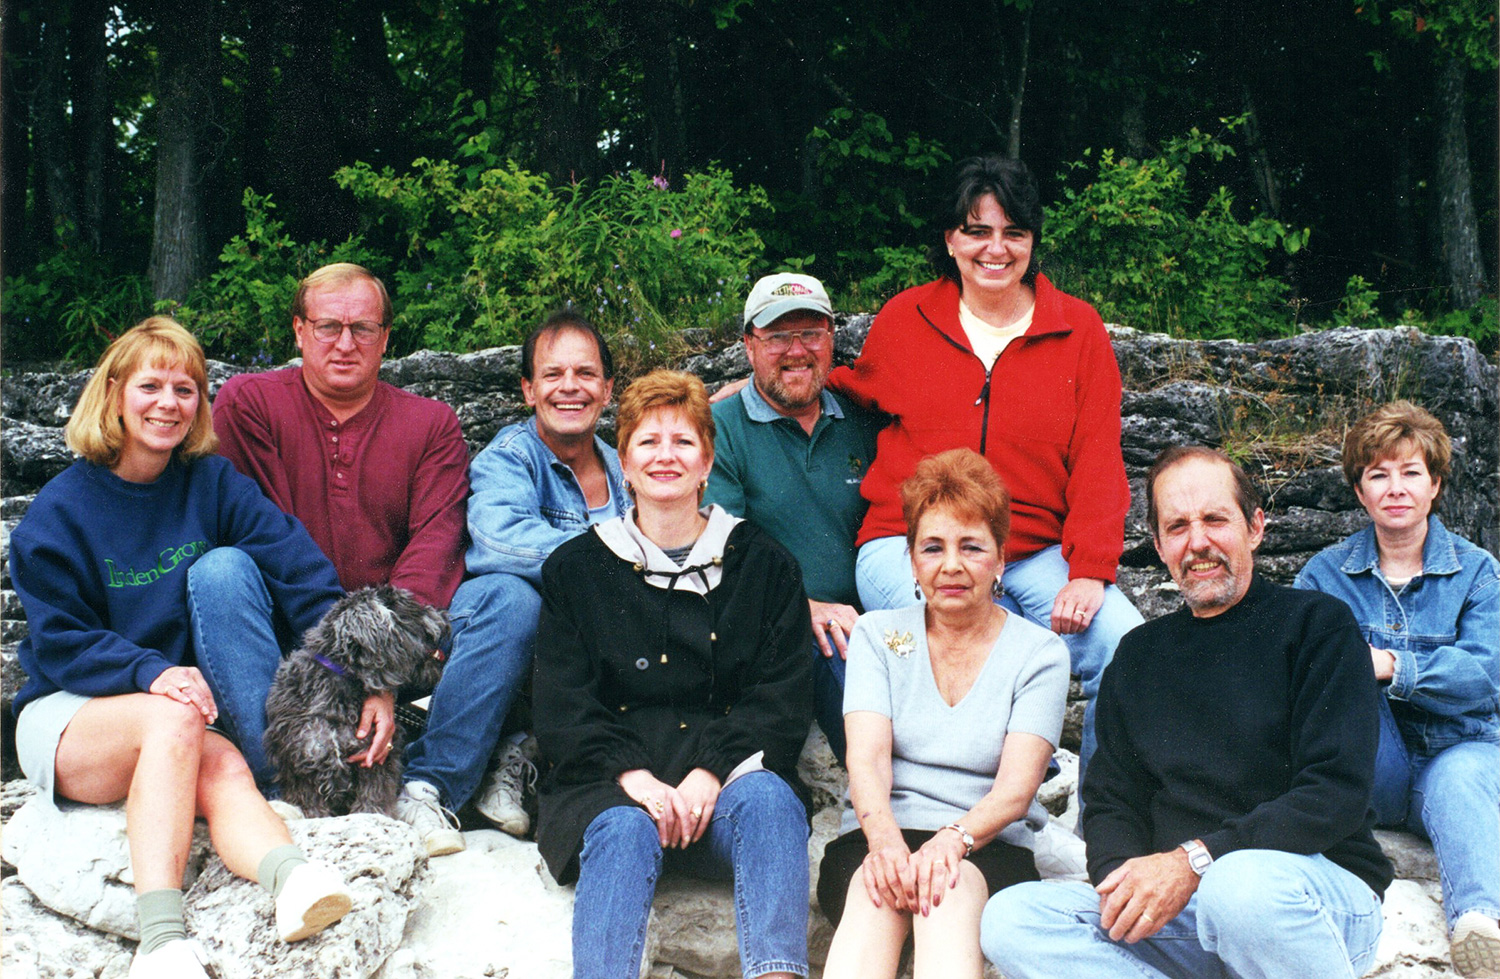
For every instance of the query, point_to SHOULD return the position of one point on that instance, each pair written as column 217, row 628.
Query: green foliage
column 1465, row 28
column 70, row 304
column 864, row 217
column 1359, row 305
column 240, row 313
column 1130, row 239
column 1480, row 323
column 491, row 248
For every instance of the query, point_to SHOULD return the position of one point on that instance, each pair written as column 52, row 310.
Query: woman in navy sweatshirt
column 114, row 708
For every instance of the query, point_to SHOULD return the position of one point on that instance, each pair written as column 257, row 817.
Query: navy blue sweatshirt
column 100, row 565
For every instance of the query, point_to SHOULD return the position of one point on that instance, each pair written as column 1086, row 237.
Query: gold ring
column 1149, row 920
column 697, row 812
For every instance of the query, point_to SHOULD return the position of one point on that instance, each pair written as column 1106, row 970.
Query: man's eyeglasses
column 329, row 331
column 780, row 343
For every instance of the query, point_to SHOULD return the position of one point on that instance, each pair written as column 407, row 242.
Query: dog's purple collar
column 325, row 661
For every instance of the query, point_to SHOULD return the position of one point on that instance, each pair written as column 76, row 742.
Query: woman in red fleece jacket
column 993, row 357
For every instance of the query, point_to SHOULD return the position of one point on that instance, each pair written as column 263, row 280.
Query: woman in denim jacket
column 1429, row 604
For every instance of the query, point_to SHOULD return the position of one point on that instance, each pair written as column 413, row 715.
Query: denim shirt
column 1443, row 628
column 524, row 502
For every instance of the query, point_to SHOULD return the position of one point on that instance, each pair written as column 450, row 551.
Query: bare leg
column 868, row 942
column 144, row 749
column 947, row 941
column 240, row 823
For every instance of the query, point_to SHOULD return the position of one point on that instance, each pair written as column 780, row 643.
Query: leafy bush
column 1130, row 241
column 70, row 304
column 241, row 313
column 491, row 248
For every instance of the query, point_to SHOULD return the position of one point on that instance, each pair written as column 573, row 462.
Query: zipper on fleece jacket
column 984, row 392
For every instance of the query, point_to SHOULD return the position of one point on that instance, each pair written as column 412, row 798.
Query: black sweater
column 630, row 676
column 1252, row 729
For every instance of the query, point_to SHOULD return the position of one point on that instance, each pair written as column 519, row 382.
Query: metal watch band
column 1198, row 856
column 964, row 835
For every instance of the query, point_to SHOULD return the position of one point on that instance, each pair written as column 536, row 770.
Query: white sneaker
column 421, row 806
column 288, row 812
column 500, row 795
column 1059, row 854
column 1476, row 946
column 313, row 897
column 181, row 958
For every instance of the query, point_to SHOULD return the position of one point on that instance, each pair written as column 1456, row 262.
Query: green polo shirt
column 802, row 490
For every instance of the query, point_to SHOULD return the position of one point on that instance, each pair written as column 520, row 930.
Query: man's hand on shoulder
column 1141, row 895
column 835, row 620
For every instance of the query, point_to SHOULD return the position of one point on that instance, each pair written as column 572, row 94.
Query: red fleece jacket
column 1047, row 417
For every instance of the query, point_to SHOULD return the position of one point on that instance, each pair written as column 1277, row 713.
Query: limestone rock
column 1414, row 939
column 381, row 858
column 76, row 861
column 821, row 772
column 31, row 454
column 1411, row 855
column 492, row 910
column 40, row 944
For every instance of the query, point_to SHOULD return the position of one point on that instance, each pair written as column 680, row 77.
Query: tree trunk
column 662, row 84
column 1260, row 158
column 1018, row 94
column 17, row 45
column 91, row 117
column 49, row 128
column 1456, row 218
column 304, row 127
column 188, row 49
column 481, row 41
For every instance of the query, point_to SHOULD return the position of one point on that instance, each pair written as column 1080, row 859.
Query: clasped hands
column 913, row 882
column 682, row 812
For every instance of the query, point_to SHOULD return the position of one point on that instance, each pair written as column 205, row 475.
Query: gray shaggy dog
column 371, row 641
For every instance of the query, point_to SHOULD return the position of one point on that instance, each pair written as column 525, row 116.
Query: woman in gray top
column 952, row 710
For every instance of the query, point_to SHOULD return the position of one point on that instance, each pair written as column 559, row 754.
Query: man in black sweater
column 1227, row 809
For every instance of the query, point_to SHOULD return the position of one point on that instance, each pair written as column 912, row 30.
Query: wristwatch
column 1198, row 856
column 963, row 834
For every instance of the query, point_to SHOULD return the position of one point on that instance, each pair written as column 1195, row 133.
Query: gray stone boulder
column 40, row 944
column 75, row 860
column 382, row 859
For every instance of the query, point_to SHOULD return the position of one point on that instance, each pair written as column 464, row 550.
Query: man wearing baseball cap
column 789, row 457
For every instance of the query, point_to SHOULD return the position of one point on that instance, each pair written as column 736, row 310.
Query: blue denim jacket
column 524, row 502
column 1443, row 628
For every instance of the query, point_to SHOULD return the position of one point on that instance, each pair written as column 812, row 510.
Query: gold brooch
column 899, row 643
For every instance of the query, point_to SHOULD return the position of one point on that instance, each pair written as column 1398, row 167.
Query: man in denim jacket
column 537, row 484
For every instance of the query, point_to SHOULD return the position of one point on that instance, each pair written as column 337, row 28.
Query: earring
column 950, row 253
column 997, row 590
column 918, row 589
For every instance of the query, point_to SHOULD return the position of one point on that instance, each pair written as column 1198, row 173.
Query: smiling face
column 955, row 561
column 157, row 406
column 341, row 373
column 1202, row 537
column 1398, row 492
column 666, row 460
column 791, row 381
column 991, row 253
column 569, row 389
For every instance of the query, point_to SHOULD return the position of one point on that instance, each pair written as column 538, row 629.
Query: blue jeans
column 1452, row 798
column 494, row 620
column 758, row 839
column 1257, row 914
column 882, row 573
column 238, row 650
column 828, row 698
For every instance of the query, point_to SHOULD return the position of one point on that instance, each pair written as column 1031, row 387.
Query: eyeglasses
column 780, row 343
column 329, row 331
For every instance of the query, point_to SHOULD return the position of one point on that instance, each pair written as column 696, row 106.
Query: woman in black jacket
column 672, row 695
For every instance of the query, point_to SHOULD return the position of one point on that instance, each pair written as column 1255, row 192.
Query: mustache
column 1207, row 554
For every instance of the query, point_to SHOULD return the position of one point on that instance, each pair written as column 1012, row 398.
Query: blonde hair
column 1393, row 430
column 95, row 431
column 665, row 389
column 338, row 274
column 962, row 481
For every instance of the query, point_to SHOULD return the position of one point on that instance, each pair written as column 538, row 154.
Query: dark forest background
column 1329, row 160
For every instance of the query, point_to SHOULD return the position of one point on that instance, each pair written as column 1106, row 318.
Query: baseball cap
column 776, row 295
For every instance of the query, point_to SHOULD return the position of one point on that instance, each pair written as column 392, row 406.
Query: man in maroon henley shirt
column 378, row 476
